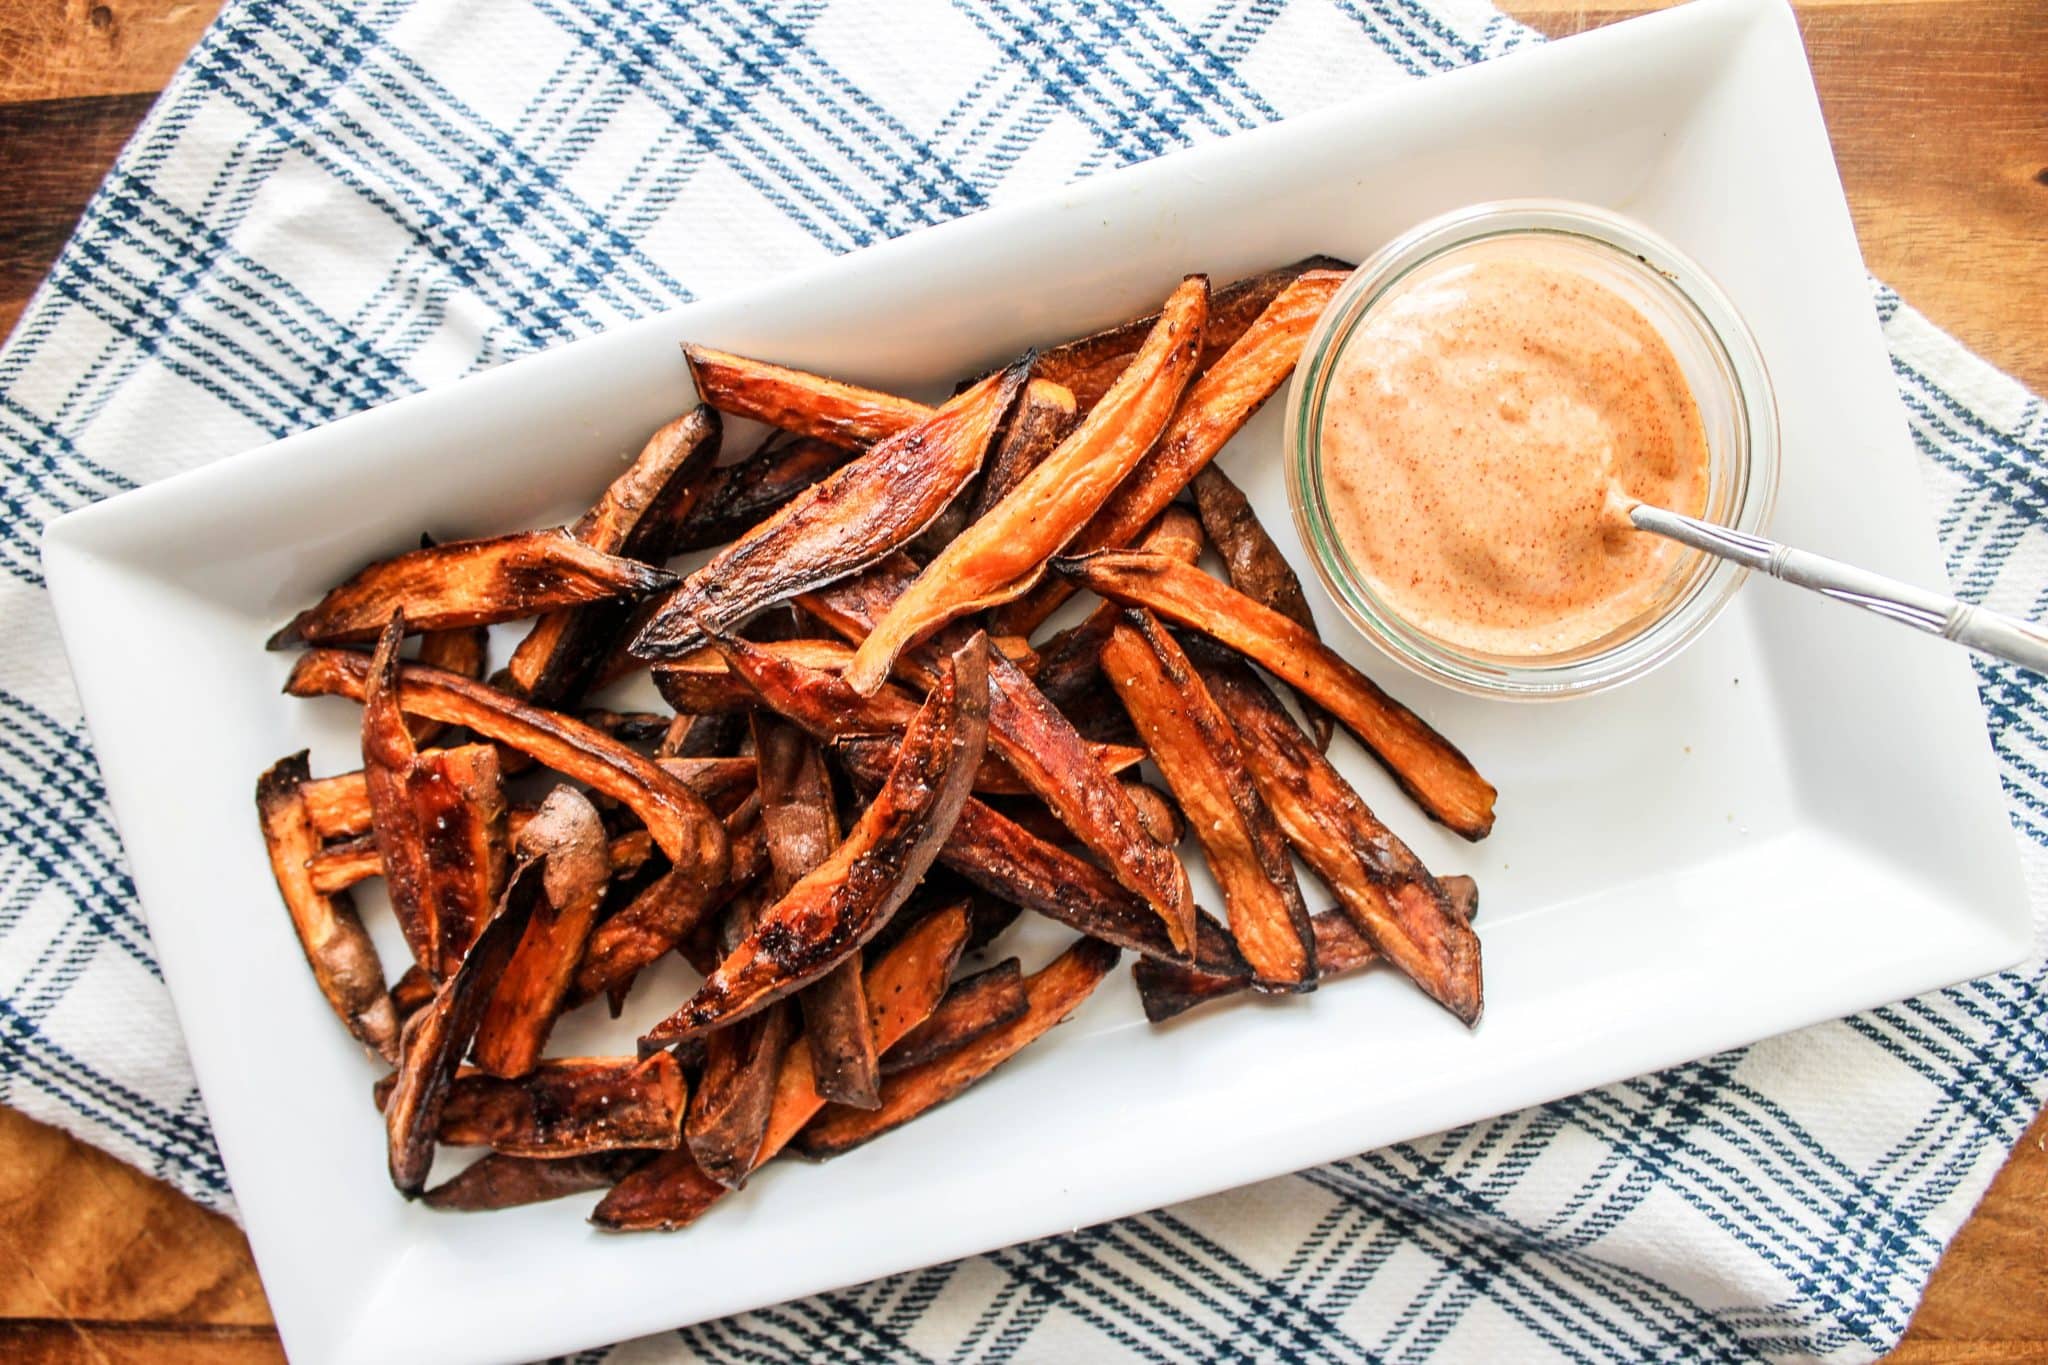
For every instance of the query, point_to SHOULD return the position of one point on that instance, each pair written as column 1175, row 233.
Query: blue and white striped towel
column 337, row 204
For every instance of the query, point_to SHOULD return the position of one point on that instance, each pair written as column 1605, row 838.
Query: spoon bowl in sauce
column 1473, row 417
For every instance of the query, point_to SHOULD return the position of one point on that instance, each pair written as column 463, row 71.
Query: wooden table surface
column 1939, row 113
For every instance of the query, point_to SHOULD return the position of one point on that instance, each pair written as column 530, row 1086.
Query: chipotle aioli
column 1487, row 427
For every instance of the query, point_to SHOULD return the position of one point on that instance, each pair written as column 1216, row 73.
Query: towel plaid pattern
column 335, row 205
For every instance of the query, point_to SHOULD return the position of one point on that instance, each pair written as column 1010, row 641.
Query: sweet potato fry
column 1205, row 765
column 637, row 518
column 1376, row 878
column 692, row 736
column 413, row 990
column 1215, row 408
column 508, row 1182
column 801, row 828
column 838, row 526
column 1041, row 746
column 438, row 817
column 677, row 817
column 740, row 496
column 470, row 583
column 902, row 987
column 702, row 683
column 569, row 837
column 1044, row 414
column 431, row 1047
column 1088, row 365
column 660, row 915
column 841, row 904
column 1051, row 995
column 1256, row 567
column 1004, row 552
column 1428, row 766
column 465, row 651
column 1071, row 661
column 1167, row 989
column 1157, row 813
column 337, row 947
column 807, row 404
column 729, row 1113
column 976, row 1004
column 568, row 1106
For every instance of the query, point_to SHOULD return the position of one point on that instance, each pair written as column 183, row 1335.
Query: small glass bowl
column 1720, row 362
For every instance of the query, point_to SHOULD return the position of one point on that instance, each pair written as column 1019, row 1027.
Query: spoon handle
column 1979, row 628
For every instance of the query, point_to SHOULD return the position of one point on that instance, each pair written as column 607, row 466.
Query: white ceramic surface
column 1796, row 820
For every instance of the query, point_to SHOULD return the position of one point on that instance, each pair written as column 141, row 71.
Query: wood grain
column 1939, row 114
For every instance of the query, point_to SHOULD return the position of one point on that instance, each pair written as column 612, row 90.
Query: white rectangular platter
column 1796, row 820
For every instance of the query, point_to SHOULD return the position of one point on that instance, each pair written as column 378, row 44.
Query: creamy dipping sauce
column 1486, row 429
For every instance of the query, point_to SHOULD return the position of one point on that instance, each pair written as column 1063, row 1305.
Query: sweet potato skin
column 740, row 496
column 1004, row 552
column 435, row 1037
column 801, row 827
column 976, row 1004
column 902, row 987
column 861, row 512
column 729, row 1113
column 1377, row 879
column 1429, row 767
column 1051, row 995
column 1205, row 766
column 841, row 904
column 568, row 837
column 1214, row 409
column 637, row 517
column 1167, row 989
column 570, row 1106
column 1044, row 414
column 1256, row 567
column 677, row 818
column 337, row 947
column 470, row 583
column 508, row 1182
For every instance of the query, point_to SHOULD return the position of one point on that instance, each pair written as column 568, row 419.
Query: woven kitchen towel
column 335, row 205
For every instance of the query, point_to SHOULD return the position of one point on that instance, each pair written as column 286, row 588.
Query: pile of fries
column 869, row 771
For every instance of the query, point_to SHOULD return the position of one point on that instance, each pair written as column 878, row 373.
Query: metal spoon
column 1979, row 628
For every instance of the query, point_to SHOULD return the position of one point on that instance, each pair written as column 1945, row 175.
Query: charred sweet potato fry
column 1205, row 765
column 638, row 518
column 435, row 1038
column 1004, row 552
column 1050, row 996
column 1214, row 409
column 1428, row 766
column 801, row 827
column 976, row 1004
column 1088, row 365
column 438, row 816
column 739, row 496
column 340, row 866
column 840, row 905
column 508, row 1182
column 568, row 836
column 675, row 816
column 465, row 651
column 695, row 736
column 807, row 404
column 1167, row 989
column 1375, row 877
column 1256, row 567
column 470, row 583
column 1042, row 747
column 657, row 919
column 1071, row 661
column 902, row 987
column 568, row 1106
column 838, row 526
column 337, row 947
column 1044, row 414
column 729, row 1113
